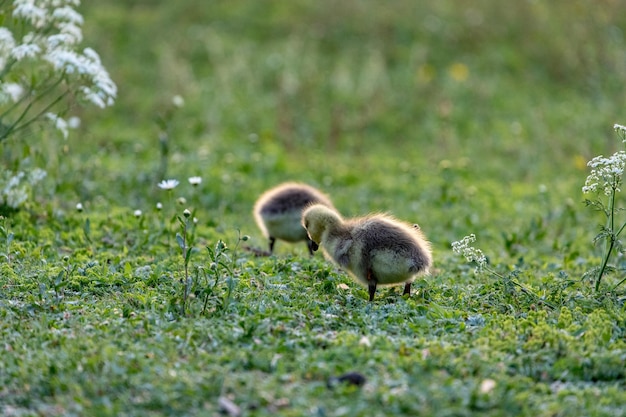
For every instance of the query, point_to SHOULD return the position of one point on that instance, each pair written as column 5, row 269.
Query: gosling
column 375, row 249
column 278, row 212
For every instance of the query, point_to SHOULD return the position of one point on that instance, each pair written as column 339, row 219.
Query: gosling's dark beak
column 314, row 246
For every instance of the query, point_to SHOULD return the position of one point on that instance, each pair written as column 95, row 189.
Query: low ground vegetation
column 479, row 120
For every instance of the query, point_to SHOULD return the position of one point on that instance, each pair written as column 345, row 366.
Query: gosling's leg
column 407, row 289
column 371, row 284
column 272, row 241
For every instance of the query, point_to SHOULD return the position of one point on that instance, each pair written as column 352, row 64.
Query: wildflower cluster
column 606, row 176
column 41, row 65
column 15, row 188
column 471, row 254
column 606, row 173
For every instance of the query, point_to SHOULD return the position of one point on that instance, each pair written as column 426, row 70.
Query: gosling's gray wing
column 384, row 236
column 292, row 200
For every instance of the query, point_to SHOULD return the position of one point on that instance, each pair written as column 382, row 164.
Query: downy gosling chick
column 375, row 249
column 278, row 212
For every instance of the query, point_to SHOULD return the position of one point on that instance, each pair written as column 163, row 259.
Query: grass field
column 465, row 118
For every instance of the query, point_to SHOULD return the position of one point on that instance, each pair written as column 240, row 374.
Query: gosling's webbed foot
column 256, row 251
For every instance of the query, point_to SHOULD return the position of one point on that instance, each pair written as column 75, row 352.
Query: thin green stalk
column 186, row 266
column 43, row 111
column 13, row 106
column 611, row 243
column 620, row 230
column 14, row 127
column 7, row 67
column 37, row 97
column 618, row 284
column 186, row 252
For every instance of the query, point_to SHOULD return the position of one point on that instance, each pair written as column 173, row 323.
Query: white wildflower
column 6, row 39
column 137, row 213
column 67, row 14
column 73, row 34
column 178, row 101
column 471, row 254
column 42, row 49
column 25, row 50
column 159, row 206
column 93, row 97
column 12, row 90
column 168, row 184
column 103, row 91
column 79, row 207
column 36, row 175
column 73, row 122
column 59, row 40
column 66, row 61
column 195, row 180
column 365, row 341
column 487, row 385
column 7, row 43
column 59, row 123
column 16, row 197
column 27, row 10
column 14, row 181
column 606, row 173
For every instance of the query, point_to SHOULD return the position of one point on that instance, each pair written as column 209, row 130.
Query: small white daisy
column 168, row 184
column 137, row 213
column 195, row 181
column 178, row 101
column 73, row 122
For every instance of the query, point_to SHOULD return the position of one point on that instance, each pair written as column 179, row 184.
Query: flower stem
column 612, row 237
column 185, row 251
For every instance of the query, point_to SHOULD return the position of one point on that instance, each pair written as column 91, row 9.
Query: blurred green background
column 433, row 110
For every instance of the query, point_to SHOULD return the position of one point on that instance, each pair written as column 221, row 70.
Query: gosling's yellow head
column 318, row 218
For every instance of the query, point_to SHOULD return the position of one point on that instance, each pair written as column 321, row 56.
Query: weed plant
column 606, row 176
